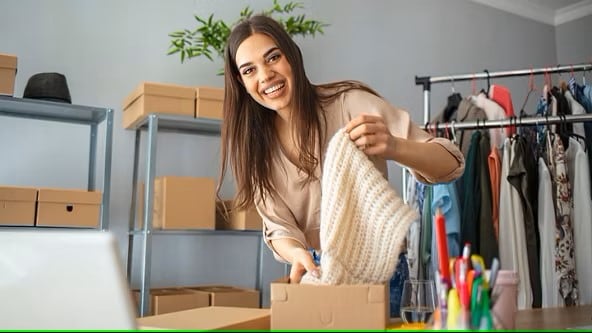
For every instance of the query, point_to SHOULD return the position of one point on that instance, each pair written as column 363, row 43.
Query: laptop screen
column 62, row 279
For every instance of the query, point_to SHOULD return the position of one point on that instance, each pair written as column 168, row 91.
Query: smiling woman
column 277, row 126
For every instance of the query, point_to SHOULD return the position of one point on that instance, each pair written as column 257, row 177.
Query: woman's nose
column 265, row 74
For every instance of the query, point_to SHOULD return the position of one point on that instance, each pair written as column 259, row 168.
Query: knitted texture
column 363, row 220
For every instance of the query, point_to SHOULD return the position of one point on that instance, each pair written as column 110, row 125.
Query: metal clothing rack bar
column 514, row 121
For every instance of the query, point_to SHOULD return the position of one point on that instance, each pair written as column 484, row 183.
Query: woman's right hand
column 302, row 262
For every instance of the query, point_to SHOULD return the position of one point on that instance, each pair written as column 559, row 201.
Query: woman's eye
column 247, row 71
column 274, row 57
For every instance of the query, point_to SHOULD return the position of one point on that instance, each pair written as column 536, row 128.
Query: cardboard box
column 335, row 307
column 8, row 66
column 153, row 97
column 167, row 300
column 210, row 318
column 68, row 208
column 229, row 218
column 184, row 203
column 17, row 205
column 209, row 102
column 229, row 296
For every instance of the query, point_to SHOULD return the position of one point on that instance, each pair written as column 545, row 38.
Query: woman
column 277, row 125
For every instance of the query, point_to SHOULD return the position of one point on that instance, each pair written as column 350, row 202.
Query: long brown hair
column 248, row 137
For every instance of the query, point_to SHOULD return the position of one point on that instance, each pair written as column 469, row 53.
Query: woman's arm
column 300, row 259
column 371, row 134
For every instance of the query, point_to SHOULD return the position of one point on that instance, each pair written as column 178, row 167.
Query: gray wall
column 573, row 42
column 105, row 48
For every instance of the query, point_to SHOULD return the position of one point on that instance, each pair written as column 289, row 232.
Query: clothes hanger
column 488, row 83
column 453, row 132
column 453, row 102
column 531, row 88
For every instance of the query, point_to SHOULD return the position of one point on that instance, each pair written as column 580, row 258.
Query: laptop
column 63, row 279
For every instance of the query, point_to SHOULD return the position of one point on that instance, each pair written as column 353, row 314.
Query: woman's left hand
column 371, row 135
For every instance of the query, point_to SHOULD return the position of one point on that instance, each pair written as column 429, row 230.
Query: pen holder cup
column 503, row 306
column 505, row 299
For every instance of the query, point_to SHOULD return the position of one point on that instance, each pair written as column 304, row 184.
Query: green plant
column 209, row 37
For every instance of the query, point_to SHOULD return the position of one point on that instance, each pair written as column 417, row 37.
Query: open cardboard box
column 209, row 318
column 335, row 307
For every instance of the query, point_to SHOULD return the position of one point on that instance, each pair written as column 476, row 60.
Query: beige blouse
column 295, row 211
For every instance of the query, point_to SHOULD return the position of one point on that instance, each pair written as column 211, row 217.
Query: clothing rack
column 427, row 81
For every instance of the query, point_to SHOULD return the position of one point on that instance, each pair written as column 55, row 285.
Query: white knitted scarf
column 363, row 220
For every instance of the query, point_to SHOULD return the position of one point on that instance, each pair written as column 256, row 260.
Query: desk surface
column 554, row 318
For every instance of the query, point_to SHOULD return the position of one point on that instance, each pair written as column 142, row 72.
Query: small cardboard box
column 184, row 203
column 209, row 102
column 248, row 219
column 334, row 307
column 229, row 296
column 153, row 97
column 68, row 208
column 210, row 318
column 8, row 65
column 167, row 300
column 17, row 205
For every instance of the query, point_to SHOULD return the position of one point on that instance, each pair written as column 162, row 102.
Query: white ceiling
column 553, row 12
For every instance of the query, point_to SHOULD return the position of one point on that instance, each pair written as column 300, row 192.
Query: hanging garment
column 523, row 177
column 425, row 271
column 579, row 180
column 502, row 96
column 469, row 222
column 494, row 163
column 468, row 111
column 413, row 199
column 546, row 222
column 494, row 112
column 444, row 198
column 576, row 108
column 488, row 246
column 512, row 241
column 564, row 243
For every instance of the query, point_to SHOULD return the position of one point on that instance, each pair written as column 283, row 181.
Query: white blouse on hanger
column 579, row 179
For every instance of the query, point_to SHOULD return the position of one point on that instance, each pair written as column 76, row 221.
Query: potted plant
column 209, row 37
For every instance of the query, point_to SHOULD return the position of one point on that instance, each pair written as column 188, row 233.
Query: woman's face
column 265, row 72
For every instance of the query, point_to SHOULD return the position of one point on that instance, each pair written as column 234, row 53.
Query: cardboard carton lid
column 69, row 196
column 209, row 93
column 282, row 291
column 15, row 193
column 221, row 289
column 8, row 60
column 159, row 89
column 211, row 318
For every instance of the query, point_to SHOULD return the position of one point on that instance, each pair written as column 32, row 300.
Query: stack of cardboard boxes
column 49, row 207
column 8, row 67
column 166, row 98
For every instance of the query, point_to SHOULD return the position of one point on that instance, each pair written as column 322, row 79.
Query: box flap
column 15, row 193
column 8, row 60
column 211, row 318
column 69, row 196
column 278, row 292
column 209, row 93
column 159, row 89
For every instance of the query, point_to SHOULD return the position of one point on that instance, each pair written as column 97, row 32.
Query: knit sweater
column 363, row 220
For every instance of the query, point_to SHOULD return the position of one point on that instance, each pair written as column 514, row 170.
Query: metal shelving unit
column 153, row 124
column 74, row 114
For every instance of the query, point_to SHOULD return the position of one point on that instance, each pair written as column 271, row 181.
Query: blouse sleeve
column 278, row 223
column 357, row 102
